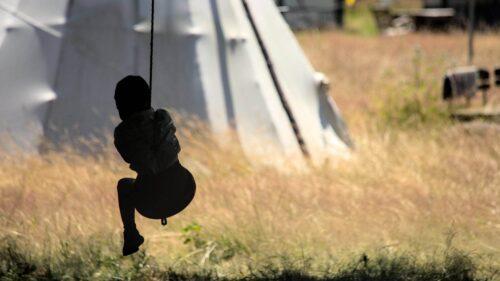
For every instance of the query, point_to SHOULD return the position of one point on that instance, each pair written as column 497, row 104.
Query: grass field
column 418, row 200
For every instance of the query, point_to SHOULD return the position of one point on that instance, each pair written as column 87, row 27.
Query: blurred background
column 329, row 139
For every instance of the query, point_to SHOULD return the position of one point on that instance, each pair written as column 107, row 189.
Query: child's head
column 132, row 94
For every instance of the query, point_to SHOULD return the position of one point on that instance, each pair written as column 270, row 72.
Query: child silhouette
column 146, row 140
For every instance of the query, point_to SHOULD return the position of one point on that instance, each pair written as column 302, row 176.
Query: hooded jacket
column 146, row 140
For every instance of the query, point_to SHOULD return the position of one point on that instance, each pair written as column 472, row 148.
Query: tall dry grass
column 423, row 189
column 409, row 191
column 372, row 75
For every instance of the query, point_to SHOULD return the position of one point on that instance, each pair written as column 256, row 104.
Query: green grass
column 411, row 106
column 97, row 260
column 359, row 20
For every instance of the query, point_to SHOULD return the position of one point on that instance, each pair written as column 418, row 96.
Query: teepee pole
column 276, row 82
column 151, row 45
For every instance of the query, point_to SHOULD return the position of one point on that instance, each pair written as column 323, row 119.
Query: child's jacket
column 147, row 141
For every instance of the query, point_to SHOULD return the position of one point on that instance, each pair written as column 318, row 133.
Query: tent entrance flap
column 276, row 82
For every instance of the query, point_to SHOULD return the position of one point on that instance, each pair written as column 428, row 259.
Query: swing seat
column 166, row 194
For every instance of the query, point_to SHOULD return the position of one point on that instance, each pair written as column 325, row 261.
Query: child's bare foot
column 132, row 240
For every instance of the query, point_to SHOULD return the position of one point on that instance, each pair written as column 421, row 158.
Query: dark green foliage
column 13, row 264
column 100, row 263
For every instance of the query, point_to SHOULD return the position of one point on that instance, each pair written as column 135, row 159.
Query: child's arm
column 121, row 149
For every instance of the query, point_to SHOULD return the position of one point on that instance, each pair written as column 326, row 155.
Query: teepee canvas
column 233, row 63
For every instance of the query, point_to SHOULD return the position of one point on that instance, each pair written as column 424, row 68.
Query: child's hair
column 132, row 94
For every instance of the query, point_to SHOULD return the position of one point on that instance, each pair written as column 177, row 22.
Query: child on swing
column 146, row 140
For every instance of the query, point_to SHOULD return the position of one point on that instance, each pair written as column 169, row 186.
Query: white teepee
column 233, row 63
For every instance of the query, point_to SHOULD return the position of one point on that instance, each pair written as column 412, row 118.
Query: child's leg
column 127, row 196
column 126, row 202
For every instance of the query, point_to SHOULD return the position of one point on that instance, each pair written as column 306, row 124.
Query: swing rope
column 151, row 49
column 151, row 45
